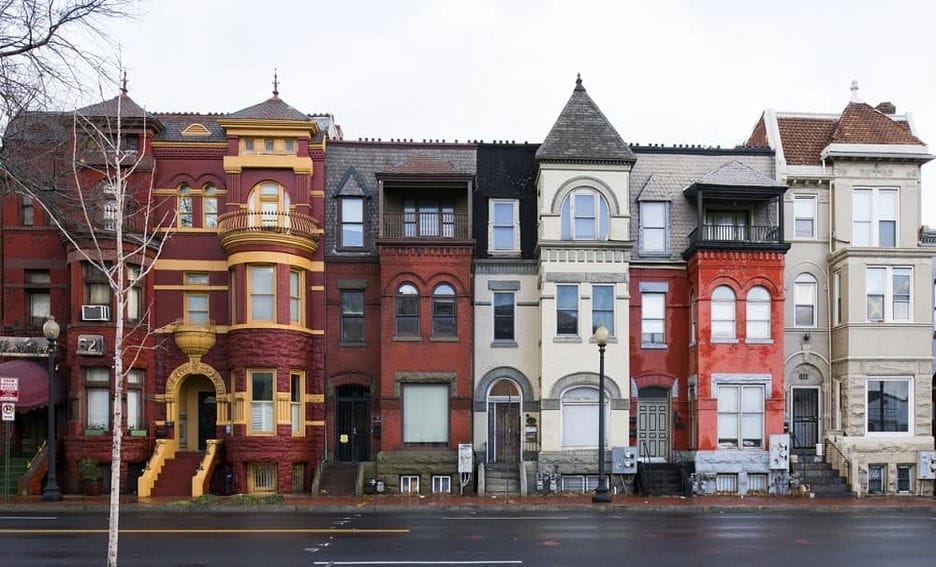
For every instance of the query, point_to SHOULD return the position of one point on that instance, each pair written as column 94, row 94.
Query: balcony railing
column 425, row 225
column 251, row 225
column 752, row 234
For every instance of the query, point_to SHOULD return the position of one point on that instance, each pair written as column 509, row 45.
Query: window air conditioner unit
column 95, row 312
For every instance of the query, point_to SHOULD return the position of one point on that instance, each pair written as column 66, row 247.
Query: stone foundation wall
column 864, row 451
column 426, row 464
column 709, row 464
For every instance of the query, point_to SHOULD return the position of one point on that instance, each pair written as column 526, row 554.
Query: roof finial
column 854, row 91
column 275, row 83
column 123, row 85
column 578, row 82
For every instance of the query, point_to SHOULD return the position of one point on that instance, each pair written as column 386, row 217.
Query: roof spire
column 123, row 84
column 275, row 84
column 854, row 92
column 578, row 82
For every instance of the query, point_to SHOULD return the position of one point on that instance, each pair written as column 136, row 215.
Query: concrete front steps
column 818, row 477
column 175, row 478
column 338, row 479
column 502, row 480
column 660, row 479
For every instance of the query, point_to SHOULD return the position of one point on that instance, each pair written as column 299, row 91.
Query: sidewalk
column 550, row 503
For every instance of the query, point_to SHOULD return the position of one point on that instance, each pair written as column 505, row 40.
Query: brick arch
column 446, row 278
column 729, row 281
column 349, row 378
column 403, row 277
column 654, row 380
column 772, row 287
column 209, row 178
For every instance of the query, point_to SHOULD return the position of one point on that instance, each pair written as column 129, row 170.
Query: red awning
column 33, row 384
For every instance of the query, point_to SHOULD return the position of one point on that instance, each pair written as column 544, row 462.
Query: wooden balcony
column 426, row 226
column 259, row 227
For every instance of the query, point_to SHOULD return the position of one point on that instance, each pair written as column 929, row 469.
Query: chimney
column 886, row 108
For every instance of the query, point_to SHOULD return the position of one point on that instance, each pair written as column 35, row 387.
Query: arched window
column 185, row 206
column 443, row 311
column 758, row 313
column 407, row 311
column 723, row 314
column 580, row 417
column 272, row 203
column 210, row 205
column 584, row 215
column 804, row 301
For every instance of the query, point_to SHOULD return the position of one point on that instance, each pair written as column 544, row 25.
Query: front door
column 653, row 417
column 207, row 418
column 352, row 420
column 504, row 423
column 805, row 418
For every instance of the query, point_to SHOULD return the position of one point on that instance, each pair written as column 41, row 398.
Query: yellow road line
column 339, row 531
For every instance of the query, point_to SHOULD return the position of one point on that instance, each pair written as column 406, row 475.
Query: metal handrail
column 425, row 225
column 280, row 222
column 841, row 457
column 645, row 451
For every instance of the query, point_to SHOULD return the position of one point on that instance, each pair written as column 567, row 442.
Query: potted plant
column 94, row 429
column 91, row 476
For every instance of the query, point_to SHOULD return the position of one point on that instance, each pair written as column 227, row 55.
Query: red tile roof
column 861, row 124
column 804, row 139
column 758, row 137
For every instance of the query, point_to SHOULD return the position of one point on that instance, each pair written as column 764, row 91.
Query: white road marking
column 505, row 562
column 511, row 518
column 28, row 517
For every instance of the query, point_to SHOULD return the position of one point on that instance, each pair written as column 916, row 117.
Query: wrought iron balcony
column 426, row 226
column 736, row 237
column 245, row 226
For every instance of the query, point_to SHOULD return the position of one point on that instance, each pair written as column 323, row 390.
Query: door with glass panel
column 805, row 418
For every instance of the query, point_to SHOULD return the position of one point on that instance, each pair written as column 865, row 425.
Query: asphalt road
column 577, row 538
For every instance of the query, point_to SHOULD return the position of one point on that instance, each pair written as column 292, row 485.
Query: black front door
column 352, row 421
column 805, row 418
column 207, row 418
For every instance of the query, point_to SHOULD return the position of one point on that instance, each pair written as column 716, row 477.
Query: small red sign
column 9, row 389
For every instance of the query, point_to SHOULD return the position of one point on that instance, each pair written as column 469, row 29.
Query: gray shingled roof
column 660, row 186
column 582, row 133
column 174, row 124
column 272, row 108
column 108, row 108
column 351, row 186
column 735, row 173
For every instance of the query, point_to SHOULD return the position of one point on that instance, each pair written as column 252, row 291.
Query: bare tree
column 105, row 212
column 49, row 46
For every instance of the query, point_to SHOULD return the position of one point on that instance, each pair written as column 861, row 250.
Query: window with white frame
column 210, row 206
column 693, row 326
column 406, row 307
column 295, row 297
column 653, row 318
column 889, row 405
column 654, row 227
column 723, row 314
column 425, row 413
column 135, row 399
column 441, row 484
column 804, row 301
column 579, row 413
column 134, row 293
column 262, row 386
column 409, row 484
column 38, row 294
column 351, row 220
column 97, row 392
column 295, row 401
column 185, row 206
column 504, row 225
column 874, row 216
column 196, row 302
column 584, row 215
column 97, row 287
column 504, row 316
column 444, row 314
column 567, row 310
column 262, row 286
column 758, row 314
column 804, row 216
column 603, row 307
column 741, row 415
column 904, row 479
column 888, row 291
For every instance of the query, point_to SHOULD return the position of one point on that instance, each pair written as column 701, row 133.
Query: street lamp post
column 602, row 494
column 51, row 493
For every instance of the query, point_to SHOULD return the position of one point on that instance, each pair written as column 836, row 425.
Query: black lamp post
column 51, row 493
column 602, row 494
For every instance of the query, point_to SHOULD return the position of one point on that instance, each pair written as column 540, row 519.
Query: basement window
column 441, row 484
column 409, row 484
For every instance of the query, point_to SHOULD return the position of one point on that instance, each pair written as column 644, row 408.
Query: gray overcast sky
column 672, row 72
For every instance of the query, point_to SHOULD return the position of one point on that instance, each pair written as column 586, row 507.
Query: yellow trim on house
column 274, row 258
column 190, row 287
column 236, row 164
column 189, row 144
column 266, row 325
column 244, row 128
column 315, row 398
column 316, row 288
column 192, row 265
column 317, row 193
column 316, row 423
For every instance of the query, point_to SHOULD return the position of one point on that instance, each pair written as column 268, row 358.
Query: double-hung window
column 874, row 216
column 97, row 392
column 504, row 316
column 889, row 405
column 406, row 308
column 504, row 226
column 262, row 387
column 196, row 302
column 804, row 300
column 296, row 418
column 889, row 292
column 654, row 238
column 351, row 231
column 584, row 215
column 804, row 216
column 295, row 297
column 566, row 310
column 210, row 206
column 135, row 400
column 444, row 314
column 724, row 327
column 740, row 416
column 38, row 295
column 185, row 206
column 352, row 316
column 262, row 286
column 758, row 314
column 603, row 307
column 652, row 318
column 134, row 293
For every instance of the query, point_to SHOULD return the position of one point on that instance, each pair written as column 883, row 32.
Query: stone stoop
column 660, row 479
column 175, row 478
column 338, row 479
column 502, row 480
column 818, row 477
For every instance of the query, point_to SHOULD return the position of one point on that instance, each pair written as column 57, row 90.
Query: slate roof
column 735, row 173
column 582, row 133
column 660, row 186
column 175, row 124
column 422, row 164
column 108, row 108
column 273, row 108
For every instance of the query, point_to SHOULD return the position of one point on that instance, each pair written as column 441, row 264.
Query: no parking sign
column 8, row 410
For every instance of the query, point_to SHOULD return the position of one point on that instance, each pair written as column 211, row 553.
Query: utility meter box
column 926, row 465
column 780, row 451
column 623, row 460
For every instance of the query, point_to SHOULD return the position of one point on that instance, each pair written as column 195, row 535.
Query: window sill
column 504, row 344
column 654, row 346
column 355, row 344
column 503, row 253
column 724, row 341
column 443, row 339
column 406, row 339
column 611, row 340
column 567, row 339
column 759, row 341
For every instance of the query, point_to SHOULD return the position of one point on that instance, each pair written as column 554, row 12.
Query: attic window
column 196, row 130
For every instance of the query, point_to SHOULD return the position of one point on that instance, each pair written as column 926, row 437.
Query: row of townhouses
column 421, row 317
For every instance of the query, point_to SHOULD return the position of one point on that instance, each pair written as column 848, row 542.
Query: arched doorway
column 198, row 416
column 504, row 427
column 352, row 423
column 653, row 423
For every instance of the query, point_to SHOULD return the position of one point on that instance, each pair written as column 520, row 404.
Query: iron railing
column 271, row 222
column 425, row 225
column 753, row 234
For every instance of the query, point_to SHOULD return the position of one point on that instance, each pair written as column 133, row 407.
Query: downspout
column 835, row 418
